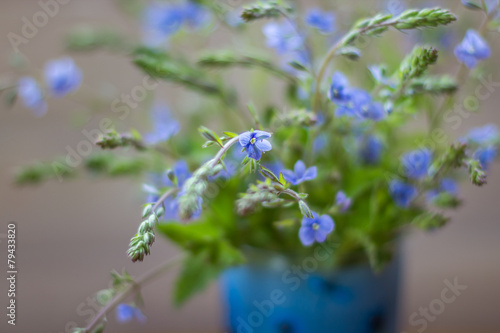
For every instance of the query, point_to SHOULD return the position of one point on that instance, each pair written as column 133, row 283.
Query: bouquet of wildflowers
column 320, row 157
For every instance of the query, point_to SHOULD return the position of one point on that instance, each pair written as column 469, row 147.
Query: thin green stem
column 459, row 77
column 222, row 151
column 143, row 280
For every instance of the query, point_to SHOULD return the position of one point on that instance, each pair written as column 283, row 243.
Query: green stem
column 459, row 76
column 143, row 280
column 222, row 151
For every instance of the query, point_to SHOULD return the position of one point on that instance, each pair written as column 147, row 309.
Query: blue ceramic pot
column 276, row 296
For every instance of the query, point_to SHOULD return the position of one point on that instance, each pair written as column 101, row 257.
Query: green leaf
column 189, row 235
column 429, row 220
column 350, row 52
column 298, row 66
column 199, row 269
column 195, row 276
column 282, row 179
column 231, row 134
column 210, row 135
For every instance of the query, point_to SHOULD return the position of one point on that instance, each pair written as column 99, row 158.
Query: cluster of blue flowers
column 285, row 39
column 162, row 20
column 353, row 102
column 484, row 140
column 416, row 166
column 62, row 77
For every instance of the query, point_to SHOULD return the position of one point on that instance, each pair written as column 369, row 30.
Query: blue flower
column 62, row 76
column 254, row 143
column 491, row 5
column 161, row 20
column 472, row 49
column 485, row 156
column 181, row 173
column 402, row 194
column 320, row 143
column 300, row 173
column 126, row 312
column 447, row 185
column 371, row 149
column 164, row 125
column 342, row 201
column 353, row 102
column 315, row 229
column 486, row 134
column 323, row 21
column 416, row 163
column 339, row 88
column 360, row 105
column 195, row 15
column 32, row 96
column 275, row 166
column 282, row 37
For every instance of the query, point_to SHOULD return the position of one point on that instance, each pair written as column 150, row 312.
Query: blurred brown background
column 72, row 233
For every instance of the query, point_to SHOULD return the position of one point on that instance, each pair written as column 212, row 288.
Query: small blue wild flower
column 447, row 185
column 339, row 88
column 282, row 37
column 416, row 163
column 254, row 143
column 370, row 149
column 361, row 106
column 62, row 76
column 127, row 312
column 402, row 193
column 180, row 173
column 485, row 156
column 472, row 49
column 342, row 201
column 353, row 102
column 164, row 125
column 323, row 21
column 32, row 95
column 315, row 229
column 320, row 143
column 484, row 135
column 160, row 21
column 300, row 173
column 195, row 16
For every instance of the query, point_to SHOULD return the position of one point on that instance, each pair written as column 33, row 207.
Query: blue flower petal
column 257, row 134
column 307, row 235
column 300, row 169
column 263, row 145
column 310, row 173
column 326, row 224
column 290, row 176
column 244, row 138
